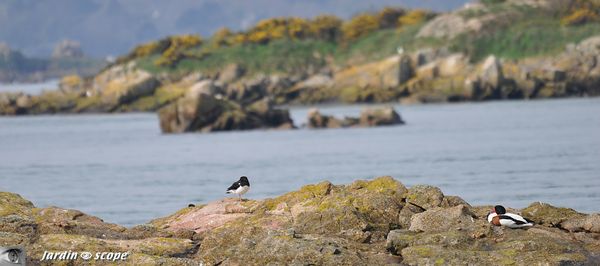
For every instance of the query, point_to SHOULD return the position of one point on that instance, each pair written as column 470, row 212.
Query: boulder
column 546, row 214
column 425, row 197
column 231, row 73
column 205, row 113
column 190, row 114
column 587, row 223
column 317, row 120
column 491, row 72
column 54, row 220
column 442, row 219
column 379, row 116
column 428, row 71
column 124, row 84
column 201, row 87
column 24, row 102
column 388, row 73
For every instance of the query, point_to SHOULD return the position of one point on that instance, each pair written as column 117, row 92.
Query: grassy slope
column 530, row 38
column 534, row 33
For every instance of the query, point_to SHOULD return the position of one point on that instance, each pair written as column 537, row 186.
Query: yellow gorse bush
column 176, row 47
column 578, row 17
column 359, row 26
column 222, row 37
column 581, row 12
column 412, row 17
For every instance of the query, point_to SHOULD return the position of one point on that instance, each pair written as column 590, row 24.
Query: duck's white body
column 510, row 220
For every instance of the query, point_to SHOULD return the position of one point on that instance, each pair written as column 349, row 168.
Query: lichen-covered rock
column 318, row 224
column 375, row 222
column 546, row 214
column 11, row 203
column 588, row 223
column 206, row 217
column 124, row 84
column 425, row 197
column 440, row 219
column 385, row 74
column 53, row 220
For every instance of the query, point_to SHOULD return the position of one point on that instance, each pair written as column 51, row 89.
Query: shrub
column 388, row 17
column 261, row 37
column 298, row 28
column 326, row 27
column 413, row 17
column 267, row 30
column 176, row 47
column 578, row 17
column 222, row 37
column 359, row 26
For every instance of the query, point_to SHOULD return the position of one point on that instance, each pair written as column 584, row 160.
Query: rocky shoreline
column 375, row 222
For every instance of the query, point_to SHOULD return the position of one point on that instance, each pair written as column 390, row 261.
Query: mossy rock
column 11, row 203
column 546, row 214
column 425, row 196
column 13, row 239
column 53, row 220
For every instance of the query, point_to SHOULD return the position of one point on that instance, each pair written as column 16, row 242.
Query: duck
column 499, row 217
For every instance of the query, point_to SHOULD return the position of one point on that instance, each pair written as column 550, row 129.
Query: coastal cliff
column 376, row 222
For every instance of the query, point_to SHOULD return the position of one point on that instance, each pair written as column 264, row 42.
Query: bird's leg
column 240, row 196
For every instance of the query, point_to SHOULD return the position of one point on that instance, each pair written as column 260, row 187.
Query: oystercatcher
column 239, row 187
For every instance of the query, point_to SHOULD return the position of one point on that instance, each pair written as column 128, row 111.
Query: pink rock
column 210, row 216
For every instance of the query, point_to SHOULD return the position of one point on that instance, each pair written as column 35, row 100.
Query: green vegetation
column 290, row 44
column 277, row 56
column 526, row 38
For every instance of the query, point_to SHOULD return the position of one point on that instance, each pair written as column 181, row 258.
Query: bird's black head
column 499, row 209
column 244, row 181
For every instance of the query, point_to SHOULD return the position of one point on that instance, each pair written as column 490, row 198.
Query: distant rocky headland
column 376, row 222
column 493, row 50
column 67, row 59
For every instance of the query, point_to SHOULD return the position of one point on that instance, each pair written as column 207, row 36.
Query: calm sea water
column 30, row 88
column 122, row 169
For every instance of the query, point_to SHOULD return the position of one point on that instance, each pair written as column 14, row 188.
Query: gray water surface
column 122, row 169
column 29, row 88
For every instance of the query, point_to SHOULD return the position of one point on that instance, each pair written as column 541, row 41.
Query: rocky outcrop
column 203, row 112
column 369, row 117
column 374, row 222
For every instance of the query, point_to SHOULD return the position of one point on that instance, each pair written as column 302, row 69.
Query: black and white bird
column 499, row 217
column 239, row 187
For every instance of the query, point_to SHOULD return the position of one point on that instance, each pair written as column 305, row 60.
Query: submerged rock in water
column 369, row 117
column 374, row 222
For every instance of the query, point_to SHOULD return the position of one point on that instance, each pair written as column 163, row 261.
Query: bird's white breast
column 242, row 190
